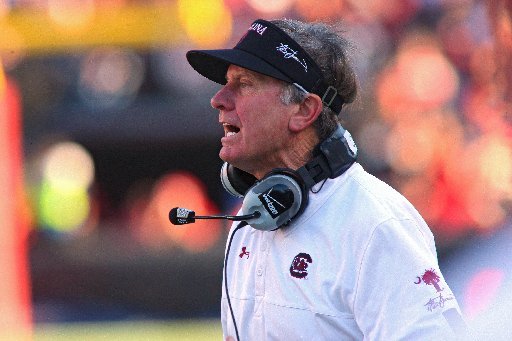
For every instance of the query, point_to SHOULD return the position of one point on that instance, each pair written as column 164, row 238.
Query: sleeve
column 400, row 292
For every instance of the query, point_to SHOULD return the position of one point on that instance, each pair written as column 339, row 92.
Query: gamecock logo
column 300, row 264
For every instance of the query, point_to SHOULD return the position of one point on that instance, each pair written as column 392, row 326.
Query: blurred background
column 104, row 127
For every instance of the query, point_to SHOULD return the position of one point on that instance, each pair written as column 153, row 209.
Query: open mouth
column 230, row 130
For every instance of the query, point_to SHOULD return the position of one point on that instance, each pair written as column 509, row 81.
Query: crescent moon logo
column 419, row 280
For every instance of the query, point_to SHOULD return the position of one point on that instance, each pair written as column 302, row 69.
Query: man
column 355, row 261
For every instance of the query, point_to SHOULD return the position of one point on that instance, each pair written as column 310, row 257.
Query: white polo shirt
column 359, row 263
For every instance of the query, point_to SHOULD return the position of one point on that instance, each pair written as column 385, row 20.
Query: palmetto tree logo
column 431, row 278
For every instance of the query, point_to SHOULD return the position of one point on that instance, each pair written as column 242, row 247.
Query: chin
column 227, row 155
column 234, row 159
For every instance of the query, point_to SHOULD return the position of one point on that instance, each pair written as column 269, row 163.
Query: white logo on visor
column 290, row 53
column 259, row 28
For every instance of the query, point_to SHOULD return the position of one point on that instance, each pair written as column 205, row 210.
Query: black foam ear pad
column 236, row 181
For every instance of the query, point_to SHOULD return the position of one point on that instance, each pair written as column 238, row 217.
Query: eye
column 245, row 82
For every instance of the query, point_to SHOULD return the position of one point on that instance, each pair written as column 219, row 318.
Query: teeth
column 231, row 133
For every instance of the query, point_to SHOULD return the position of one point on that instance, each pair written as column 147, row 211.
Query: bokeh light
column 481, row 290
column 411, row 149
column 321, row 10
column 4, row 8
column 63, row 199
column 496, row 164
column 178, row 189
column 71, row 14
column 110, row 77
column 68, row 165
column 208, row 23
column 62, row 209
column 391, row 12
column 418, row 80
column 271, row 7
column 430, row 76
column 237, row 7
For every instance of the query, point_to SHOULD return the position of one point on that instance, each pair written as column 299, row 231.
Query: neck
column 299, row 152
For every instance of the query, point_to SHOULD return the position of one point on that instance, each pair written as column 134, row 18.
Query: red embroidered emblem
column 430, row 278
column 244, row 253
column 299, row 267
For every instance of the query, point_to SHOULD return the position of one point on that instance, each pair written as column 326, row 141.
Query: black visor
column 267, row 49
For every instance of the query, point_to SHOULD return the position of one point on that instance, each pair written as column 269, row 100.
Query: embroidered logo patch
column 258, row 28
column 300, row 264
column 437, row 302
column 244, row 253
column 288, row 52
column 430, row 277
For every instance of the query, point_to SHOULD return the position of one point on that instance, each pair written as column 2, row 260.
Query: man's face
column 256, row 135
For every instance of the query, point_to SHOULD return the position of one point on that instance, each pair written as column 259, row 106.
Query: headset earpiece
column 235, row 181
column 279, row 197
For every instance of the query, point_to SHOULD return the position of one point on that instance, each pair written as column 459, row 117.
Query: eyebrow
column 256, row 76
column 244, row 73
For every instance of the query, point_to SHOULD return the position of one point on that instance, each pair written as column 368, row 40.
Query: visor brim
column 213, row 64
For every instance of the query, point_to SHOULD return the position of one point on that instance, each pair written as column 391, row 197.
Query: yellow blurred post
column 59, row 28
column 15, row 304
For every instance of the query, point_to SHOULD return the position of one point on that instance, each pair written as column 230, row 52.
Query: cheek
column 263, row 117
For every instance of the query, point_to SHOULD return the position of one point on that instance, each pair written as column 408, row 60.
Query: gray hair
column 330, row 51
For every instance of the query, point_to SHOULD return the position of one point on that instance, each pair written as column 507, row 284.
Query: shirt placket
column 261, row 265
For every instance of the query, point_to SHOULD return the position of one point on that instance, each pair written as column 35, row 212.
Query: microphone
column 182, row 216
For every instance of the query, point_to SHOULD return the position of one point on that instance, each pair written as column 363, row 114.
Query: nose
column 222, row 100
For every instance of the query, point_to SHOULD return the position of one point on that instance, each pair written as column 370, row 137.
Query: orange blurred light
column 320, row 10
column 237, row 7
column 484, row 207
column 271, row 7
column 455, row 35
column 4, row 8
column 411, row 147
column 71, row 14
column 474, row 180
column 207, row 23
column 492, row 183
column 368, row 9
column 388, row 11
column 419, row 191
column 496, row 164
column 183, row 189
column 427, row 76
column 13, row 45
column 487, row 110
column 418, row 80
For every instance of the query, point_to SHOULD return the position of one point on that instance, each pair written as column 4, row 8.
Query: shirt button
column 259, row 272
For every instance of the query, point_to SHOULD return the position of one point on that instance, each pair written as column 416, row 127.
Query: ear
column 306, row 114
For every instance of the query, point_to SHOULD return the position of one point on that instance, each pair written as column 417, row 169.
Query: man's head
column 329, row 51
column 284, row 84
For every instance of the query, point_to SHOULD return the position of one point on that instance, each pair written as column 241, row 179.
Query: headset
column 284, row 192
